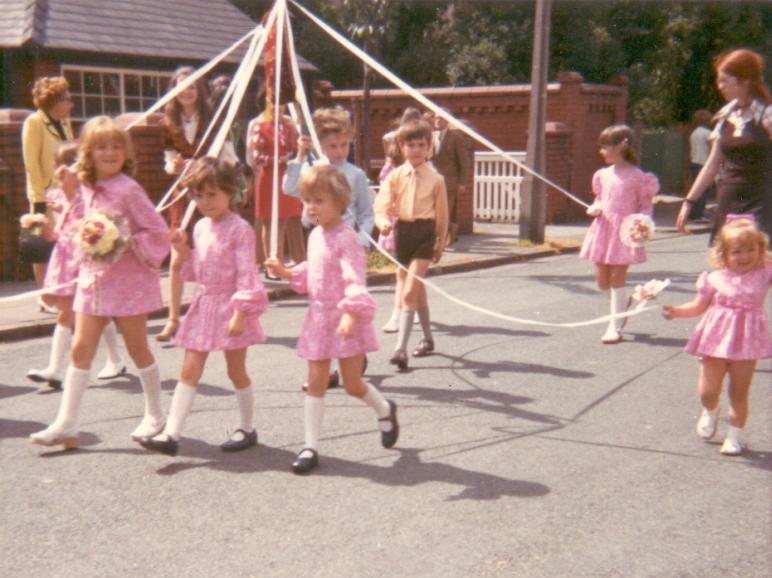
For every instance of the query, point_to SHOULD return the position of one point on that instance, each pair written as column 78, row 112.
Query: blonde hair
column 326, row 180
column 738, row 231
column 620, row 134
column 100, row 130
column 66, row 153
column 334, row 120
column 211, row 172
column 48, row 91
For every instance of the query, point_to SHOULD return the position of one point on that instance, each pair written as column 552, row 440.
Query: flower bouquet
column 649, row 290
column 35, row 246
column 102, row 236
column 636, row 229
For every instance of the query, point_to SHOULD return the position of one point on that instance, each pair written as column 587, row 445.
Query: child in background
column 339, row 321
column 733, row 335
column 126, row 289
column 226, row 305
column 61, row 273
column 415, row 194
column 620, row 189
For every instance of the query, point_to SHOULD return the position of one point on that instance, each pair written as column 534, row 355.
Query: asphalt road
column 525, row 451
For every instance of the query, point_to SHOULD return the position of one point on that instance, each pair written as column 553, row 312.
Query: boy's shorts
column 415, row 240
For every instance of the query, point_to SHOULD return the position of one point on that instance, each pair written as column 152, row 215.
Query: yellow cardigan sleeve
column 33, row 133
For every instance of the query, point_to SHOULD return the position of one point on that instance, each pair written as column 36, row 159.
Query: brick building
column 576, row 114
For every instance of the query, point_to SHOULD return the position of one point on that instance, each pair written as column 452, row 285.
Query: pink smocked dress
column 131, row 285
column 62, row 270
column 735, row 325
column 334, row 278
column 621, row 192
column 223, row 265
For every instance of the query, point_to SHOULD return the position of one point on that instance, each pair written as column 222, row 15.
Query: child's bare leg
column 385, row 410
column 602, row 276
column 134, row 331
column 88, row 330
column 617, row 275
column 245, row 435
column 740, row 377
column 64, row 316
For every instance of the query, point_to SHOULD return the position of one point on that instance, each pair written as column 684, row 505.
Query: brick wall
column 579, row 111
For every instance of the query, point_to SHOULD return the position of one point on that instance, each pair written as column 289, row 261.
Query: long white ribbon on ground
column 386, row 73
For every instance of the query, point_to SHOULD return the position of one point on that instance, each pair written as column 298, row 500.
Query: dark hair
column 620, row 134
column 745, row 64
column 217, row 89
column 701, row 117
column 173, row 109
column 415, row 130
column 211, row 172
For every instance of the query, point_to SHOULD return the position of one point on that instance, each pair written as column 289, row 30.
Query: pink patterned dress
column 334, row 278
column 621, row 192
column 131, row 285
column 62, row 270
column 735, row 325
column 224, row 267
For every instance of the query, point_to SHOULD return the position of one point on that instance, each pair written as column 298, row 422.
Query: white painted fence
column 497, row 184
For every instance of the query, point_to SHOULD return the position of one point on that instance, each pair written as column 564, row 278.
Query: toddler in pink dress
column 125, row 288
column 733, row 334
column 339, row 321
column 227, row 302
column 620, row 189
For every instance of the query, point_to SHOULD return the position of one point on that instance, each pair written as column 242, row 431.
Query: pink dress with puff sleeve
column 735, row 324
column 334, row 278
column 62, row 270
column 621, row 192
column 131, row 285
column 223, row 265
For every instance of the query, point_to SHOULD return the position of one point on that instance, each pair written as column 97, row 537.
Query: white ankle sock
column 245, row 399
column 314, row 414
column 182, row 402
column 110, row 334
column 60, row 351
column 150, row 377
column 734, row 433
column 75, row 384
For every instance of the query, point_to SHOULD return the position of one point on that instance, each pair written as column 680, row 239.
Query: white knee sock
column 60, row 351
column 75, row 384
column 110, row 334
column 375, row 400
column 405, row 327
column 314, row 414
column 619, row 305
column 150, row 378
column 426, row 326
column 182, row 402
column 245, row 399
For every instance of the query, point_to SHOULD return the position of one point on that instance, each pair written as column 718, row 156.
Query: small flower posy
column 31, row 220
column 102, row 236
column 636, row 229
column 649, row 290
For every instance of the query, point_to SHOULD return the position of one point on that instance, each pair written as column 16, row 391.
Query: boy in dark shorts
column 414, row 193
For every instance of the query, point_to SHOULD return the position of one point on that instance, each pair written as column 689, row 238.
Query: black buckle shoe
column 389, row 438
column 399, row 359
column 169, row 446
column 304, row 464
column 425, row 347
column 240, row 440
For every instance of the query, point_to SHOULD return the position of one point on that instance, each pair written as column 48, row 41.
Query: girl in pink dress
column 227, row 301
column 339, row 321
column 125, row 289
column 733, row 335
column 61, row 273
column 620, row 189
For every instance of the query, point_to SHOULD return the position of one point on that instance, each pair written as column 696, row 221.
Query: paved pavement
column 490, row 245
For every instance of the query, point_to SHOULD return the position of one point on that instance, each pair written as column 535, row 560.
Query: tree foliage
column 665, row 48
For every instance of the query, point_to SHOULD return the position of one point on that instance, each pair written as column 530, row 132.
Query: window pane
column 133, row 105
column 111, row 85
column 112, row 106
column 150, row 86
column 163, row 82
column 93, row 106
column 74, row 78
column 77, row 109
column 131, row 84
column 93, row 83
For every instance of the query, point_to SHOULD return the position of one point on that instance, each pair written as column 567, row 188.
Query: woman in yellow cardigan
column 43, row 132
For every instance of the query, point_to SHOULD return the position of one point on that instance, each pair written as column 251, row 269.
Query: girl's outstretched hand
column 683, row 216
column 669, row 312
column 236, row 324
column 68, row 180
column 277, row 268
column 180, row 247
column 346, row 325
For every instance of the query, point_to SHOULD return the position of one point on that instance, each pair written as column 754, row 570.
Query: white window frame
column 121, row 72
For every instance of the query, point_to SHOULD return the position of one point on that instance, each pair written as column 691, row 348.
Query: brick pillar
column 559, row 167
column 149, row 155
